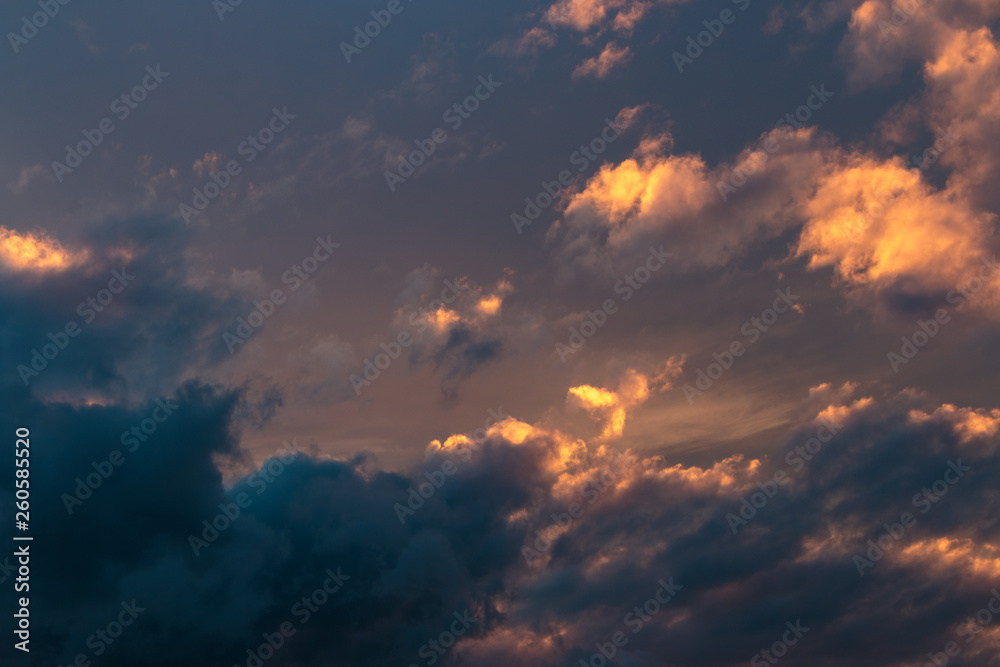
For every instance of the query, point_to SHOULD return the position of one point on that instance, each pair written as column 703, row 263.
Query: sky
column 549, row 332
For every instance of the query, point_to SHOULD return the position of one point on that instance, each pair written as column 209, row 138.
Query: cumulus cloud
column 884, row 35
column 452, row 324
column 35, row 253
column 167, row 317
column 598, row 15
column 537, row 533
column 610, row 408
column 879, row 223
column 960, row 58
column 588, row 20
column 636, row 524
column 884, row 225
column 601, row 66
column 663, row 198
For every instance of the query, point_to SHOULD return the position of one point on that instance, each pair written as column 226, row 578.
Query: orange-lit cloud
column 883, row 35
column 655, row 196
column 610, row 408
column 974, row 426
column 207, row 163
column 600, row 66
column 35, row 253
column 876, row 221
column 587, row 15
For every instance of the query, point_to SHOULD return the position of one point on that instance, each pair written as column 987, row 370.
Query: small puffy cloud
column 208, row 163
column 597, row 15
column 35, row 253
column 610, row 408
column 588, row 19
column 456, row 325
column 601, row 66
column 528, row 44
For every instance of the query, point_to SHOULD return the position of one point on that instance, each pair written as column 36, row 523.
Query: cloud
column 878, row 223
column 588, row 20
column 610, row 408
column 588, row 15
column 601, row 66
column 454, row 325
column 35, row 253
column 655, row 197
column 210, row 162
column 641, row 520
column 165, row 320
column 961, row 98
column 882, row 225
column 884, row 35
column 26, row 177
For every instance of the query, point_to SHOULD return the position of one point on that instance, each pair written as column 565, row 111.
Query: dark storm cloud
column 219, row 557
column 142, row 322
column 462, row 548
